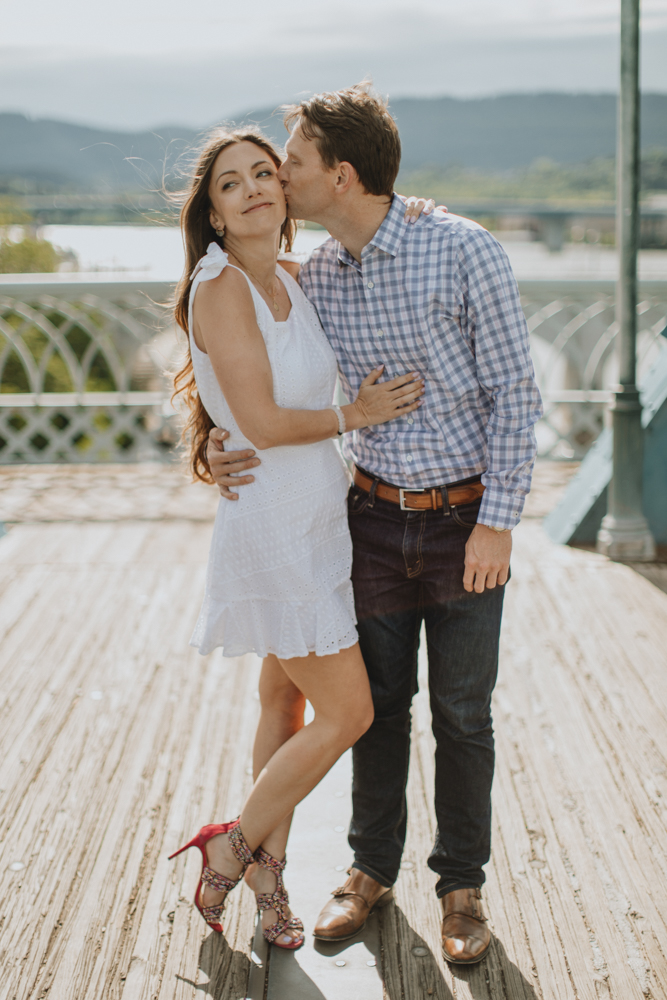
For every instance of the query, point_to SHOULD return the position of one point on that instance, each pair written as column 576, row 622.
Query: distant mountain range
column 492, row 134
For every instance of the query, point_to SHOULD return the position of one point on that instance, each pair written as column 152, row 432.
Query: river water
column 157, row 253
column 154, row 251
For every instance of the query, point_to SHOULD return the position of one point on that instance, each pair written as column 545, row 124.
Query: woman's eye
column 228, row 185
column 264, row 173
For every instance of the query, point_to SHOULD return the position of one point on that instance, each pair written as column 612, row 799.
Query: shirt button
column 371, row 284
column 411, row 420
column 409, row 458
column 380, row 333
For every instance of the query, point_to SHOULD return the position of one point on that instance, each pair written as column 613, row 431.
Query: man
column 435, row 494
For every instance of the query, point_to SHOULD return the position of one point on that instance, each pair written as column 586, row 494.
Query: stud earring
column 220, row 232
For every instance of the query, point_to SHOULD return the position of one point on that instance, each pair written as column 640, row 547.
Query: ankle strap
column 277, row 900
column 217, row 881
column 272, row 864
column 240, row 849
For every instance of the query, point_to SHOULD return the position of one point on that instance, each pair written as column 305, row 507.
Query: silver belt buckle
column 401, row 494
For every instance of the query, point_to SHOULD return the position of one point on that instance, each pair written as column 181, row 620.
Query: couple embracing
column 331, row 583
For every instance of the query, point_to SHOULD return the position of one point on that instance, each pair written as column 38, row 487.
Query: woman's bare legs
column 337, row 687
column 281, row 717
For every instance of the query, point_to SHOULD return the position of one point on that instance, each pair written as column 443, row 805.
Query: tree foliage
column 29, row 256
column 654, row 170
column 544, row 180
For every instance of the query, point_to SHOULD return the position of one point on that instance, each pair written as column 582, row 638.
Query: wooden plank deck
column 117, row 740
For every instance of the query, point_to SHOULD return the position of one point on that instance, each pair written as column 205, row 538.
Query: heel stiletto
column 220, row 883
column 278, row 901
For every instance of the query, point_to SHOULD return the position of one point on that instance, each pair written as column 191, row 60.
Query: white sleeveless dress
column 278, row 578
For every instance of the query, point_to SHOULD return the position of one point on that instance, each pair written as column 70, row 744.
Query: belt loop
column 371, row 492
column 446, row 509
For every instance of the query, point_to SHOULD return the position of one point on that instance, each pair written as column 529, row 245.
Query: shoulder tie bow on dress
column 215, row 261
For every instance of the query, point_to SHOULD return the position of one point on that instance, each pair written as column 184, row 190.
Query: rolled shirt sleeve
column 499, row 336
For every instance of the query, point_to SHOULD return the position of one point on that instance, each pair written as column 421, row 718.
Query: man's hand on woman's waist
column 487, row 551
column 227, row 466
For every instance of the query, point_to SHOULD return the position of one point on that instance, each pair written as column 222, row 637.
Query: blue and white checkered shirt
column 437, row 297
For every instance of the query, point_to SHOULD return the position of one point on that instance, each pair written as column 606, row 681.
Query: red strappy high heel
column 220, row 883
column 277, row 900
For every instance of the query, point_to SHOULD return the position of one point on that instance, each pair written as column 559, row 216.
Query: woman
column 279, row 570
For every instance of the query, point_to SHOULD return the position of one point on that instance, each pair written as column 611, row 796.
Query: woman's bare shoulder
column 230, row 285
column 223, row 308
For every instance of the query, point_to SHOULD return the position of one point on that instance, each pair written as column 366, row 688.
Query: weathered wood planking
column 117, row 741
column 578, row 878
column 97, row 790
column 145, row 491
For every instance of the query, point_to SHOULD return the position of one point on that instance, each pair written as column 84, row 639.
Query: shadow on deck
column 117, row 740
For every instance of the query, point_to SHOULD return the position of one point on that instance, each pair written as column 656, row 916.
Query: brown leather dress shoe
column 465, row 936
column 345, row 914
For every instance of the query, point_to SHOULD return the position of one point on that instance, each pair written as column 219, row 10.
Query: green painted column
column 624, row 534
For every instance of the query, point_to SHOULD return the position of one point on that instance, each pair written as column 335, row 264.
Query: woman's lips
column 253, row 208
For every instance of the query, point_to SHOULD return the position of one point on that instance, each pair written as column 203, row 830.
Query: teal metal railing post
column 624, row 534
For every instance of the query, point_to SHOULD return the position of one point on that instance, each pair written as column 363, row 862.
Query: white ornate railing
column 82, row 371
column 573, row 331
column 82, row 365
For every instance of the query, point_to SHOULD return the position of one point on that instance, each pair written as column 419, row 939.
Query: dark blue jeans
column 408, row 570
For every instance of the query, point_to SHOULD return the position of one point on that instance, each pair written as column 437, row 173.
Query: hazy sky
column 136, row 63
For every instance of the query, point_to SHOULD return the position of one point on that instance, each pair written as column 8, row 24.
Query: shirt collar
column 387, row 238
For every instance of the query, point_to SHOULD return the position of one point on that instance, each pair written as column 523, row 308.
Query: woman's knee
column 287, row 706
column 366, row 717
column 277, row 692
column 354, row 721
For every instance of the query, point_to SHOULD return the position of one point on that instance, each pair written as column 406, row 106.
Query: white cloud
column 268, row 26
column 142, row 63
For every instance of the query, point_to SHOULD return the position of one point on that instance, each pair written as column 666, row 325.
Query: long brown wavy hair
column 197, row 234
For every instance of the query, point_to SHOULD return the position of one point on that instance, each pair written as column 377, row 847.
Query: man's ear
column 346, row 177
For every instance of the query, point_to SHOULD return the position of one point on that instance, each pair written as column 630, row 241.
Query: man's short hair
column 352, row 126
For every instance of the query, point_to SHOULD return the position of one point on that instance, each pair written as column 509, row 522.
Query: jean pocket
column 466, row 514
column 357, row 501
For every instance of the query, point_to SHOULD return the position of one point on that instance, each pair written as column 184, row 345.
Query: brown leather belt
column 428, row 499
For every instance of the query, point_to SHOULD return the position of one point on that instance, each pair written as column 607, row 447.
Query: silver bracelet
column 342, row 426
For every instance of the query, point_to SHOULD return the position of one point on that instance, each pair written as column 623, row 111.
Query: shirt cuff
column 500, row 509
